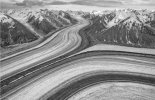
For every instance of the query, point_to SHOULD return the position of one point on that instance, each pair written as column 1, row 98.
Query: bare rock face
column 124, row 27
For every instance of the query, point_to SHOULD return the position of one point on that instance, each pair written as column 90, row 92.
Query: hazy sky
column 102, row 3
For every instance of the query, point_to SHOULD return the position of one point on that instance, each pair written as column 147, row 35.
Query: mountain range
column 26, row 25
column 123, row 27
column 127, row 27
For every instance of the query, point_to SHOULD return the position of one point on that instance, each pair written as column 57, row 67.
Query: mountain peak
column 131, row 21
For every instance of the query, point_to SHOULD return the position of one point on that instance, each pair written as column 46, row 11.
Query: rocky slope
column 13, row 32
column 123, row 27
column 27, row 25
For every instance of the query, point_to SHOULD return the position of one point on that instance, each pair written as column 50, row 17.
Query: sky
column 100, row 3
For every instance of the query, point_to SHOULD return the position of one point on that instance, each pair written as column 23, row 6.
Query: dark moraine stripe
column 100, row 77
column 10, row 83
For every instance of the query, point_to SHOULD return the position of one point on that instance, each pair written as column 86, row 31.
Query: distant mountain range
column 122, row 27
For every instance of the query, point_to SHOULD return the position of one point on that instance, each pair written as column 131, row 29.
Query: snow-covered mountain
column 124, row 27
column 31, row 23
column 42, row 20
column 13, row 32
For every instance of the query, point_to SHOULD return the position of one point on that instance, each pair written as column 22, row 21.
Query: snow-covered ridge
column 38, row 14
column 5, row 19
column 31, row 16
column 124, row 27
column 134, row 16
column 39, row 23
